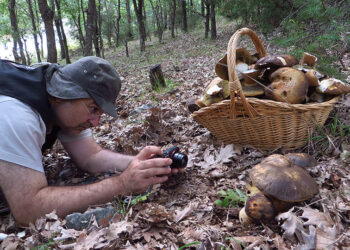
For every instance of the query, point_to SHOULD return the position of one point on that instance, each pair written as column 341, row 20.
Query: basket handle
column 236, row 91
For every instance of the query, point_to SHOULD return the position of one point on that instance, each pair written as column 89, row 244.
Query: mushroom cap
column 308, row 59
column 251, row 75
column 332, row 86
column 242, row 56
column 259, row 207
column 311, row 78
column 302, row 160
column 216, row 91
column 282, row 180
column 276, row 61
column 287, row 85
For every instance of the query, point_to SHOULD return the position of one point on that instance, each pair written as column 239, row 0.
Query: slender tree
column 172, row 18
column 117, row 24
column 207, row 18
column 90, row 27
column 47, row 14
column 184, row 15
column 36, row 8
column 129, row 18
column 212, row 20
column 32, row 17
column 61, row 28
column 15, row 33
column 138, row 7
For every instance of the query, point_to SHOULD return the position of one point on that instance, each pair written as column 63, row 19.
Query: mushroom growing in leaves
column 279, row 183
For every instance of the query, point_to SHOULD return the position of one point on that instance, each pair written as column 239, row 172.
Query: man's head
column 89, row 77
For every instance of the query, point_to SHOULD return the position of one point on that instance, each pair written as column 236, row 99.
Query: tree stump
column 156, row 76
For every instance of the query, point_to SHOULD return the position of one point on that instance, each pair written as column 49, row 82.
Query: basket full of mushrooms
column 265, row 101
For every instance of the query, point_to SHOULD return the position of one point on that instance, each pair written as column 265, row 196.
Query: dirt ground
column 182, row 211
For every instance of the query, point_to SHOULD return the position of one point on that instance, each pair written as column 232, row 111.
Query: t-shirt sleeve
column 22, row 134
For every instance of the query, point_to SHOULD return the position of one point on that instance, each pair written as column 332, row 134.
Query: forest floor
column 182, row 212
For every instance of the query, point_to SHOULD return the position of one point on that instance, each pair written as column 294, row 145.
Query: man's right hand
column 145, row 170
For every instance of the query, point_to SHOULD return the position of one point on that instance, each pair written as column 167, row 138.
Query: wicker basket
column 260, row 123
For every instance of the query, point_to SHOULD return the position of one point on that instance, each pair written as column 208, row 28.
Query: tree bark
column 14, row 51
column 90, row 27
column 212, row 20
column 32, row 17
column 61, row 27
column 207, row 18
column 39, row 30
column 117, row 25
column 173, row 15
column 156, row 76
column 47, row 15
column 129, row 18
column 138, row 6
column 157, row 11
column 15, row 33
column 60, row 38
column 96, row 33
column 184, row 15
column 101, row 45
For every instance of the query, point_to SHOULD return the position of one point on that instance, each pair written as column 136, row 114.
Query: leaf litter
column 182, row 211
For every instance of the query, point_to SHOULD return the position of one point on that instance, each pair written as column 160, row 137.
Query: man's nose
column 94, row 121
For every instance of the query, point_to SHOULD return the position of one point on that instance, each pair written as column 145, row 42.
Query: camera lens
column 179, row 160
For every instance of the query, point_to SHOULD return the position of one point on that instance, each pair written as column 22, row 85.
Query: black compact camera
column 179, row 160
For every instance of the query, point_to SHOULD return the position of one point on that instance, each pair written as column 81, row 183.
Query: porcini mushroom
column 280, row 184
column 332, row 86
column 217, row 90
column 242, row 57
column 287, row 85
column 276, row 61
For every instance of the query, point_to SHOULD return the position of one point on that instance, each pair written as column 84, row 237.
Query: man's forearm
column 69, row 199
column 107, row 161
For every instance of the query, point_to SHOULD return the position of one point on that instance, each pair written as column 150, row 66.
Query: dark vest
column 28, row 85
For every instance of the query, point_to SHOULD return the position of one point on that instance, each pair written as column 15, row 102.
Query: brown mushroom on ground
column 332, row 86
column 276, row 61
column 278, row 183
column 287, row 85
column 217, row 90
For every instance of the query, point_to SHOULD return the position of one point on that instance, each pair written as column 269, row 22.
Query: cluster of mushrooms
column 278, row 183
column 277, row 77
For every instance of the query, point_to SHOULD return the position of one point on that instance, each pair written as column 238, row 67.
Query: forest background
column 66, row 28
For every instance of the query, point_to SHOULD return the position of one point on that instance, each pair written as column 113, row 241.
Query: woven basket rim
column 271, row 103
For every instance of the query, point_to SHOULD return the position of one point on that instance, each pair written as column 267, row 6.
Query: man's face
column 74, row 116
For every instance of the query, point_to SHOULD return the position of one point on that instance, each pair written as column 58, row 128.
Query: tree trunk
column 47, row 15
column 39, row 30
column 207, row 18
column 138, row 6
column 15, row 33
column 156, row 76
column 64, row 38
column 184, row 15
column 202, row 7
column 128, row 17
column 212, row 20
column 14, row 51
column 60, row 38
column 32, row 17
column 157, row 11
column 126, row 48
column 96, row 34
column 117, row 25
column 90, row 27
column 100, row 30
column 173, row 15
column 26, row 51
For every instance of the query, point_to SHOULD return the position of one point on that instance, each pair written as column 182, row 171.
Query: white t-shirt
column 23, row 133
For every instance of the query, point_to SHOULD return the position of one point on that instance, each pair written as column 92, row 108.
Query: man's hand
column 145, row 170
